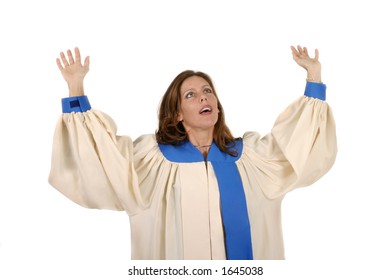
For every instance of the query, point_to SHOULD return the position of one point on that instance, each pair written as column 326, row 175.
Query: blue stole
column 235, row 218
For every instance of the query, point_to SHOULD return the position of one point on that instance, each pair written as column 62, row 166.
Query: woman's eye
column 189, row 94
column 208, row 90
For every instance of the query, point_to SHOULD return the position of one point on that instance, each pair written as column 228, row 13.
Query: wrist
column 76, row 88
column 314, row 75
column 313, row 79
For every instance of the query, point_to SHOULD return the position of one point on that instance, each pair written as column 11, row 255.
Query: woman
column 192, row 190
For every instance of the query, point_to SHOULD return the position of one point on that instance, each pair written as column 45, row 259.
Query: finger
column 295, row 53
column 305, row 51
column 300, row 49
column 294, row 50
column 77, row 54
column 86, row 62
column 70, row 57
column 59, row 64
column 64, row 60
column 317, row 54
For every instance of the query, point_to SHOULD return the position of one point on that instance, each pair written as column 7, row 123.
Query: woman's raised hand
column 73, row 71
column 312, row 65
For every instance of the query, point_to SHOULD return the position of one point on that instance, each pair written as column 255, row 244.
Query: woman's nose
column 203, row 98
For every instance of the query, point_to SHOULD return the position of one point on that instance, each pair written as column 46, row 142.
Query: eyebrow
column 204, row 86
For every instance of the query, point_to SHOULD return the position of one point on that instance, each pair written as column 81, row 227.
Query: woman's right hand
column 73, row 71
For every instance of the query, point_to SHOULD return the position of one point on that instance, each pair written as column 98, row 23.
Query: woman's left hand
column 312, row 65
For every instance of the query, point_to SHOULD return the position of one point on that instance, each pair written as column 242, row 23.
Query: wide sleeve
column 300, row 149
column 93, row 166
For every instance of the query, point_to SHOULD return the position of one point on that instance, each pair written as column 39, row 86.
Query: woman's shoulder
column 146, row 139
column 254, row 143
column 251, row 137
column 144, row 144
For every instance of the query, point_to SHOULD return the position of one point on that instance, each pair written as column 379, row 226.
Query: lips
column 206, row 109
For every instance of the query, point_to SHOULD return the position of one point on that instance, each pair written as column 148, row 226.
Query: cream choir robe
column 174, row 208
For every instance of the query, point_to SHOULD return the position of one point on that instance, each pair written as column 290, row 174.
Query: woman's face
column 199, row 105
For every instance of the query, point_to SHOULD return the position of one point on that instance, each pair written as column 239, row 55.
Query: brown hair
column 171, row 131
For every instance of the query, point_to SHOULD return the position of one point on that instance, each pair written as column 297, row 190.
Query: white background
column 338, row 228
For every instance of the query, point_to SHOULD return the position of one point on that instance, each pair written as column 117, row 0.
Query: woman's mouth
column 206, row 109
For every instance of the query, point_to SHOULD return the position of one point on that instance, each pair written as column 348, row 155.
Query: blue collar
column 238, row 242
column 187, row 153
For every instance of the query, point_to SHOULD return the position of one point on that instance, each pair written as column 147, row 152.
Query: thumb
column 86, row 62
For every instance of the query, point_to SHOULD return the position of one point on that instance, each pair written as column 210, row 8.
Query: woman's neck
column 202, row 141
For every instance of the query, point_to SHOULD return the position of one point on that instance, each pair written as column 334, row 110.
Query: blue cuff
column 75, row 104
column 316, row 90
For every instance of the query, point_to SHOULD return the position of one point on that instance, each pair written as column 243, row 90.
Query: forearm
column 306, row 135
column 76, row 88
column 76, row 167
column 314, row 74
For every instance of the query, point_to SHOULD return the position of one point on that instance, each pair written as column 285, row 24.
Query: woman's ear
column 179, row 117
